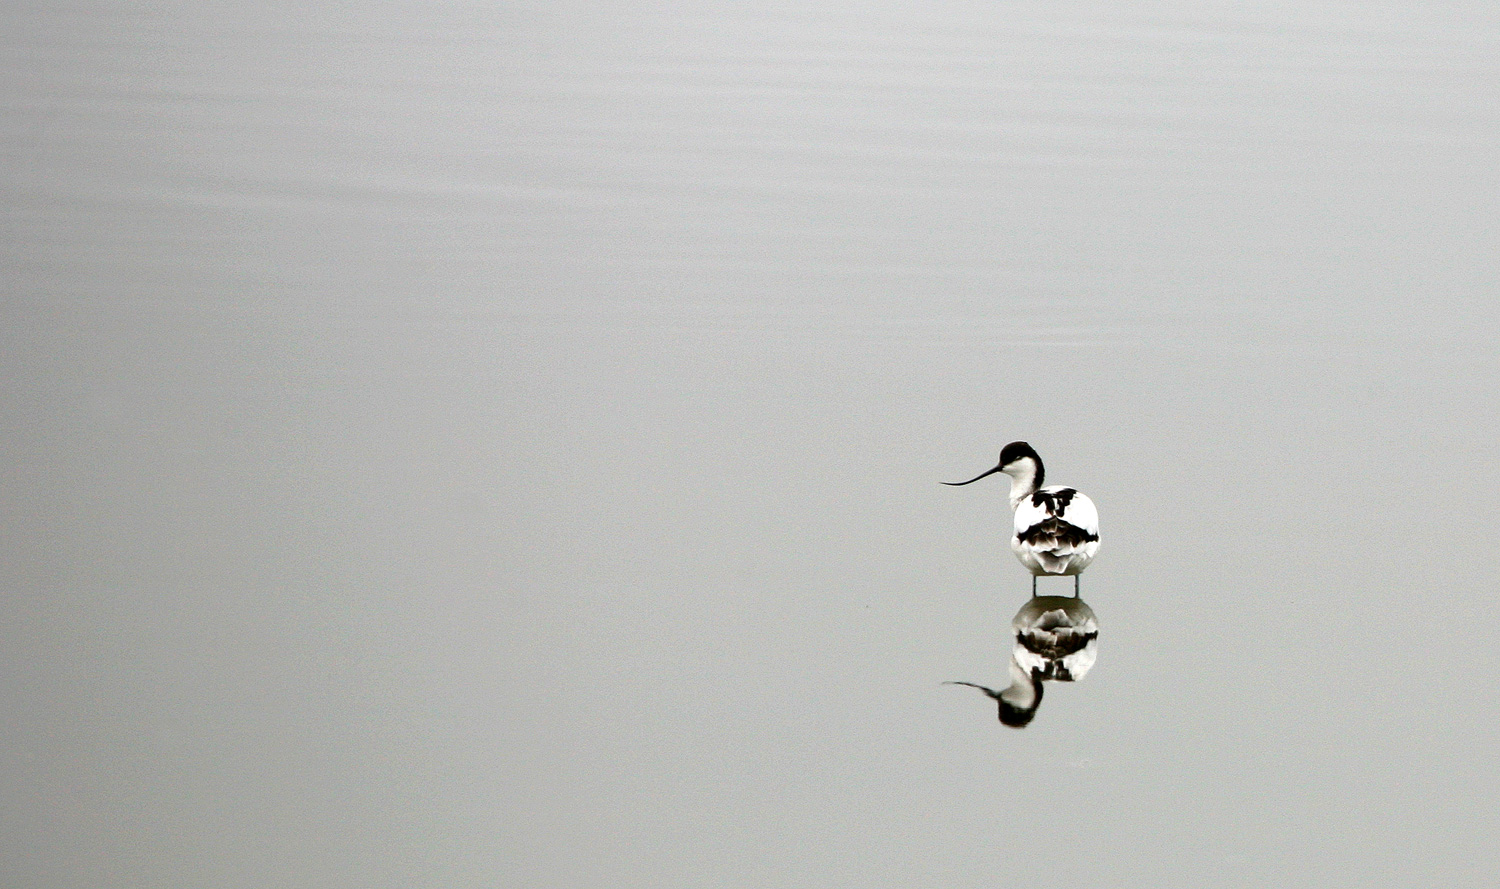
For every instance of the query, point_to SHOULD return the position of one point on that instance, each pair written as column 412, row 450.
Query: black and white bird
column 1056, row 528
column 1054, row 639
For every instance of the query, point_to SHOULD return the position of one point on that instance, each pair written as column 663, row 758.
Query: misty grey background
column 477, row 444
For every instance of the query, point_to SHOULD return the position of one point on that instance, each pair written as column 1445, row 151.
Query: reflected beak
column 976, row 478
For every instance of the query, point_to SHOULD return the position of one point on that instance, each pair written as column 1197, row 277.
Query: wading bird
column 1055, row 639
column 1056, row 528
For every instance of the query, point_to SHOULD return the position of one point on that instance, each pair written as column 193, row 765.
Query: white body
column 1070, row 516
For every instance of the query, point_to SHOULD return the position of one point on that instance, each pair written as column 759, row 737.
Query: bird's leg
column 1033, row 586
column 1075, row 586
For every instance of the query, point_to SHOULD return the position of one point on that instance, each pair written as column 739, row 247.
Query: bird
column 1054, row 639
column 1056, row 528
column 1018, row 703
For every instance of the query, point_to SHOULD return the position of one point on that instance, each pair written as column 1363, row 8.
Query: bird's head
column 1017, row 460
column 1018, row 702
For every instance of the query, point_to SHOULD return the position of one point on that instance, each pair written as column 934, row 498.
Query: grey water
column 499, row 444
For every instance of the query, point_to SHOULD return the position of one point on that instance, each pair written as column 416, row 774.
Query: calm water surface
column 499, row 445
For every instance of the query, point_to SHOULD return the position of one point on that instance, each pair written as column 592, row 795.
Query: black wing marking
column 1050, row 530
column 1055, row 500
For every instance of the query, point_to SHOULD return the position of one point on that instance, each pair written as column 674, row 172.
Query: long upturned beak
column 976, row 478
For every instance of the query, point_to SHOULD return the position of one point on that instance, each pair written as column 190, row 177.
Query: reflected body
column 1056, row 528
column 1055, row 638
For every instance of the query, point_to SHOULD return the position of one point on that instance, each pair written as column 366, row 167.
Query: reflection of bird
column 1018, row 703
column 1056, row 528
column 1056, row 637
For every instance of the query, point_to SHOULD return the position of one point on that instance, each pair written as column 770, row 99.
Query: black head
column 1015, row 451
column 1020, row 717
column 1010, row 456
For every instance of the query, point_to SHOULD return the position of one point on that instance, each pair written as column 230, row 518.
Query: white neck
column 1022, row 480
column 1022, row 692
